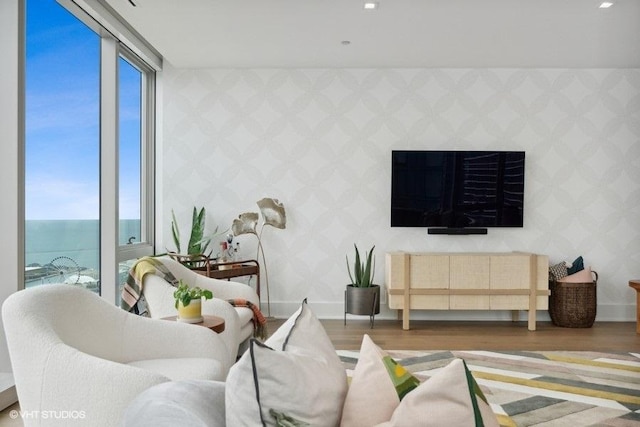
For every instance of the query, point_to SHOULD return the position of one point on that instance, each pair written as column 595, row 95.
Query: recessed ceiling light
column 370, row 5
column 605, row 4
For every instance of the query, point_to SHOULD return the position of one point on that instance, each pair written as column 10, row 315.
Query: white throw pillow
column 296, row 374
column 377, row 385
column 451, row 397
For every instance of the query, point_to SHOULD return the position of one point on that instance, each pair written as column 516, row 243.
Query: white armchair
column 72, row 351
column 158, row 294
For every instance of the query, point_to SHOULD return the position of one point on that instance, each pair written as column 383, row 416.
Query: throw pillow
column 451, row 397
column 558, row 271
column 296, row 376
column 582, row 276
column 377, row 385
column 577, row 265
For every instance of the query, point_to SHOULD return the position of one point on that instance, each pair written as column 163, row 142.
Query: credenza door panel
column 511, row 272
column 430, row 272
column 469, row 272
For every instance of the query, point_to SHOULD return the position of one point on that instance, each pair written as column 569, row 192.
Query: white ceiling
column 400, row 33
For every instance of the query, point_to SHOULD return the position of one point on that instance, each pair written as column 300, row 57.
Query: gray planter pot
column 362, row 301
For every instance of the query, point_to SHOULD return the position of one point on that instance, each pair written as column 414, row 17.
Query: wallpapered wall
column 320, row 141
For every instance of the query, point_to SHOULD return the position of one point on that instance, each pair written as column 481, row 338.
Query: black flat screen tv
column 457, row 190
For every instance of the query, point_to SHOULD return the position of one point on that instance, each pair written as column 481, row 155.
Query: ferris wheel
column 64, row 270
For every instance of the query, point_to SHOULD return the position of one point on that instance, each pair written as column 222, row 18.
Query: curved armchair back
column 52, row 314
column 70, row 351
column 238, row 327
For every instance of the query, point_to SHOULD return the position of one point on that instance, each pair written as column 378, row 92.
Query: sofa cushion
column 377, row 385
column 451, row 397
column 193, row 403
column 296, row 374
column 184, row 368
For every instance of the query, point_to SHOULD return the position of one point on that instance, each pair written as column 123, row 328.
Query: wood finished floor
column 499, row 335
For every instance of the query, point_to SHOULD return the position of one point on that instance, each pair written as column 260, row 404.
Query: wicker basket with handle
column 573, row 305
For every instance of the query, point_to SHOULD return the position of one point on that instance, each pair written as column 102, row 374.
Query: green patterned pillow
column 378, row 385
column 402, row 379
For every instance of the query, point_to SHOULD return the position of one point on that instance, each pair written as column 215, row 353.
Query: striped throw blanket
column 132, row 297
column 259, row 321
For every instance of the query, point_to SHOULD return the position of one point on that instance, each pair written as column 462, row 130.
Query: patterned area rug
column 542, row 388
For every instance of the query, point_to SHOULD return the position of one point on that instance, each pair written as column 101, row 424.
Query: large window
column 62, row 180
column 88, row 151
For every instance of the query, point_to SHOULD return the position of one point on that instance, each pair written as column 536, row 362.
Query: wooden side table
column 215, row 323
column 635, row 284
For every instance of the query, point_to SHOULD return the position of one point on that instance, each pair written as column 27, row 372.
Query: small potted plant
column 362, row 296
column 189, row 302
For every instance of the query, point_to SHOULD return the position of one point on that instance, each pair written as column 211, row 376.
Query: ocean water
column 46, row 240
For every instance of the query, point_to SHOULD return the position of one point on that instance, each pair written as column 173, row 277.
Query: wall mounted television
column 457, row 192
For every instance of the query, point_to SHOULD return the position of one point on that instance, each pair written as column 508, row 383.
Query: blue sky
column 62, row 119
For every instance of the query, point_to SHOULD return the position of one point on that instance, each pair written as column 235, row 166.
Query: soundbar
column 456, row 231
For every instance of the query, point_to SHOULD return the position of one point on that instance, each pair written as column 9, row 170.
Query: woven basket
column 573, row 305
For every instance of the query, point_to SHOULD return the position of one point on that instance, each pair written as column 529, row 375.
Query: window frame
column 118, row 39
column 147, row 155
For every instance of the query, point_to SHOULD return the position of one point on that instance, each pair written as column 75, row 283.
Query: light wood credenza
column 468, row 281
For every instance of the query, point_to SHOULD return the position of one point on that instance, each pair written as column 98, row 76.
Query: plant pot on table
column 191, row 313
column 362, row 301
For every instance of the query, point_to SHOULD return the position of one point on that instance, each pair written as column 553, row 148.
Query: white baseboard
column 335, row 310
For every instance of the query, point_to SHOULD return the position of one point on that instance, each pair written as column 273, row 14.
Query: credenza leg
column 405, row 319
column 532, row 320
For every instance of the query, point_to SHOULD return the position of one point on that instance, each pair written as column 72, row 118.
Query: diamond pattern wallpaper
column 320, row 141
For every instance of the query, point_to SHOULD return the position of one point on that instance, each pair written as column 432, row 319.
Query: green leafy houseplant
column 363, row 270
column 185, row 294
column 198, row 243
column 362, row 296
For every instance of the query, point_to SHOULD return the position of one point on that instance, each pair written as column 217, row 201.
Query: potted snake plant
column 362, row 296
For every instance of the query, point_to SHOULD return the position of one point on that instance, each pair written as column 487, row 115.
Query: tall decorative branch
column 273, row 214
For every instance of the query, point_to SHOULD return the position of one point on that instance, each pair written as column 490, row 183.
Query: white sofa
column 238, row 320
column 73, row 351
